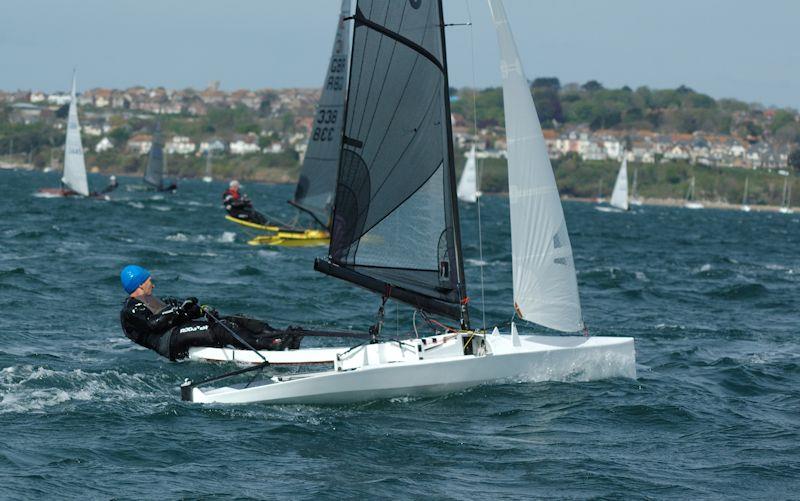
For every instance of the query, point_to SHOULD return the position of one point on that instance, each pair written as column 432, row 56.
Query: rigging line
column 477, row 172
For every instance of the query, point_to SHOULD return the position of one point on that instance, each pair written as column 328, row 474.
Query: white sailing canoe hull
column 303, row 356
column 531, row 359
column 603, row 208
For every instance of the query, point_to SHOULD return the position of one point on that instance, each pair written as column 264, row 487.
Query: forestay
column 395, row 220
column 74, row 177
column 154, row 173
column 315, row 188
column 545, row 286
column 468, row 184
column 619, row 197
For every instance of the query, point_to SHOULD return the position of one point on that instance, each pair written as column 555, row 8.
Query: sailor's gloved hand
column 170, row 301
column 210, row 312
column 190, row 308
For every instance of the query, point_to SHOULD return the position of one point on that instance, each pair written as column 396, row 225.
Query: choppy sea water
column 710, row 296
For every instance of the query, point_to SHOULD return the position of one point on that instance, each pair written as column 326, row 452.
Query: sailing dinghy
column 635, row 199
column 314, row 192
column 619, row 197
column 468, row 185
column 396, row 231
column 690, row 203
column 156, row 164
column 787, row 197
column 74, row 181
column 745, row 206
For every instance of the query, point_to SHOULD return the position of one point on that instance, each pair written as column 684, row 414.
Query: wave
column 739, row 292
column 29, row 389
column 225, row 238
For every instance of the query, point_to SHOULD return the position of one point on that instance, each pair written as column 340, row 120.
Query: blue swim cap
column 132, row 277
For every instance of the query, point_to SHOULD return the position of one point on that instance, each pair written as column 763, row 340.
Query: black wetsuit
column 240, row 207
column 171, row 329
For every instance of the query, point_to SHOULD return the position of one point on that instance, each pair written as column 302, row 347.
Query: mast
column 462, row 286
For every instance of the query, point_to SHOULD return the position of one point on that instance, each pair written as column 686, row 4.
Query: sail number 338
column 325, row 125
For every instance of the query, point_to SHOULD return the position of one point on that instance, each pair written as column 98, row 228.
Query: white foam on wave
column 136, row 205
column 476, row 262
column 18, row 396
column 178, row 237
column 641, row 276
column 227, row 237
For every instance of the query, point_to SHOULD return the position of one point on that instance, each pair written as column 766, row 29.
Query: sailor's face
column 147, row 287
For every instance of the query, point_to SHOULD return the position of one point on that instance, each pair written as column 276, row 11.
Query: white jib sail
column 74, row 167
column 545, row 286
column 468, row 184
column 619, row 198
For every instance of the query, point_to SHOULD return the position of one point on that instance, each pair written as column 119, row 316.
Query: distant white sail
column 74, row 167
column 545, row 286
column 619, row 198
column 468, row 185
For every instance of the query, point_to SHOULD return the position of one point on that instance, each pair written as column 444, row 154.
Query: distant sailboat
column 690, row 203
column 207, row 178
column 787, row 197
column 635, row 200
column 157, row 164
column 619, row 197
column 315, row 188
column 468, row 185
column 74, row 181
column 745, row 207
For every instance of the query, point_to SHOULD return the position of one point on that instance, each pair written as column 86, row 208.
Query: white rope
column 478, row 172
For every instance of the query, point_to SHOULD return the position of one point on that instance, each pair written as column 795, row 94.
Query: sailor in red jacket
column 239, row 206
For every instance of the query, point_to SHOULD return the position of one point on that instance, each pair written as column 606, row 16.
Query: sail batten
column 545, row 284
column 315, row 188
column 394, row 226
column 74, row 177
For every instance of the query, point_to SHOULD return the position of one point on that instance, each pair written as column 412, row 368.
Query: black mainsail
column 154, row 173
column 315, row 188
column 395, row 227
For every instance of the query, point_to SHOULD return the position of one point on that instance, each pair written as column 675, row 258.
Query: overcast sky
column 726, row 48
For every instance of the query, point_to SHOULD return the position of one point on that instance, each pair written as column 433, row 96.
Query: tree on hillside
column 546, row 83
column 548, row 103
column 592, row 86
column 794, row 159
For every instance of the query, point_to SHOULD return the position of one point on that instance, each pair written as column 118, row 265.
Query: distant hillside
column 680, row 110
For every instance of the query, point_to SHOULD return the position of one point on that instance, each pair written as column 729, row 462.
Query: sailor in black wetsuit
column 170, row 327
